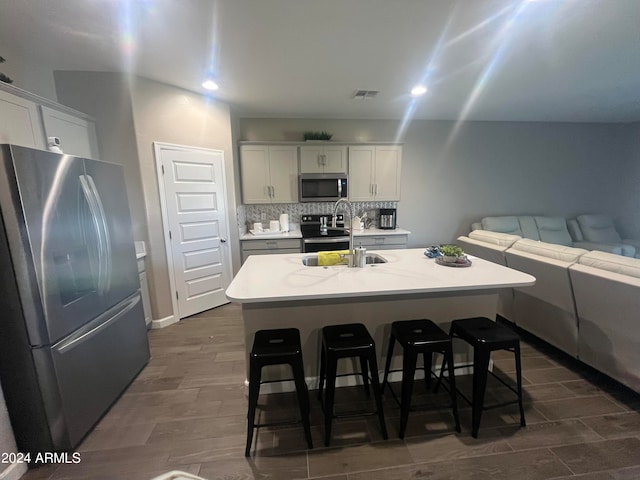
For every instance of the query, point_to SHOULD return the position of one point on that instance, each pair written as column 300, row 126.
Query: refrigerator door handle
column 95, row 217
column 89, row 331
column 107, row 234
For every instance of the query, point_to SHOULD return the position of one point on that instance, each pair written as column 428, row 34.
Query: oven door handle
column 326, row 240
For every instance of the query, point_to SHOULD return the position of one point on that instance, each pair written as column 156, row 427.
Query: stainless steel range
column 318, row 236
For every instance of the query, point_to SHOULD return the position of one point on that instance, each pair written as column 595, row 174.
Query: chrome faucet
column 346, row 203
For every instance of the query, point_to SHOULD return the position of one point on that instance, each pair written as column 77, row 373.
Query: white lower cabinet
column 268, row 247
column 381, row 242
column 144, row 291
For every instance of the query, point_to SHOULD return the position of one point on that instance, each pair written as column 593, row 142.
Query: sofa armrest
column 602, row 247
column 624, row 249
column 634, row 243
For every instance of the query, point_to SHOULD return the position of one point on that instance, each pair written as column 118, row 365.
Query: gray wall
column 454, row 176
column 629, row 178
column 26, row 74
column 170, row 115
column 106, row 97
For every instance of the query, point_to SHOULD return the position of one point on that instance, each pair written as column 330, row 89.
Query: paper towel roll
column 284, row 222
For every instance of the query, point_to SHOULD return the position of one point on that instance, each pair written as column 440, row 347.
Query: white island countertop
column 277, row 278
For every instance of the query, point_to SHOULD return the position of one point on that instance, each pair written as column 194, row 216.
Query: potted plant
column 322, row 136
column 451, row 253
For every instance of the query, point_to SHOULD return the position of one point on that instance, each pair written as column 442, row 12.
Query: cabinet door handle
column 376, row 188
column 273, row 191
column 323, row 159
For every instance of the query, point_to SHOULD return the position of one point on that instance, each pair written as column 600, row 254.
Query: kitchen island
column 279, row 291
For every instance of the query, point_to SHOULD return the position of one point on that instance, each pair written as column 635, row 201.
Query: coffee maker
column 387, row 219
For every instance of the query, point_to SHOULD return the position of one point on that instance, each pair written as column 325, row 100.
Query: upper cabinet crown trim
column 43, row 101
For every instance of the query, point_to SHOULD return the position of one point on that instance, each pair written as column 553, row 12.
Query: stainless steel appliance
column 72, row 335
column 322, row 187
column 387, row 219
column 318, row 236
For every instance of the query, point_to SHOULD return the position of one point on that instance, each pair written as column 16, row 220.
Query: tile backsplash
column 246, row 215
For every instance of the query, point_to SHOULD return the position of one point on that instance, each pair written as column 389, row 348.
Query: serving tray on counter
column 467, row 263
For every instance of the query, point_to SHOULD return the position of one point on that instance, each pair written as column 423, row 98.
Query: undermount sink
column 371, row 259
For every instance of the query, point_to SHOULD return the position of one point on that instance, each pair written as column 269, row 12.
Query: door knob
column 223, row 240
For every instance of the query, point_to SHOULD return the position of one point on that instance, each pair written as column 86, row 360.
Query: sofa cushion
column 495, row 238
column 574, row 230
column 528, row 227
column 553, row 230
column 549, row 250
column 598, row 228
column 508, row 224
column 612, row 263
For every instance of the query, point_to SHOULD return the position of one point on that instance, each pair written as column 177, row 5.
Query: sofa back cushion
column 549, row 250
column 494, row 238
column 612, row 263
column 598, row 228
column 553, row 230
column 574, row 230
column 508, row 224
column 528, row 227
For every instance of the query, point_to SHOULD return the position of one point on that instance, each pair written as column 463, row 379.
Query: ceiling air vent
column 364, row 94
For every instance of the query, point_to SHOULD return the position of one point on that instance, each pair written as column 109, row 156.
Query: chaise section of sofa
column 547, row 308
column 607, row 295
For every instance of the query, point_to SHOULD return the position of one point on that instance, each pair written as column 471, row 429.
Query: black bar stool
column 419, row 337
column 485, row 336
column 275, row 347
column 345, row 341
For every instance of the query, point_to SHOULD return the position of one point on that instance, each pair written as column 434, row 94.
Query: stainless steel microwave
column 322, row 187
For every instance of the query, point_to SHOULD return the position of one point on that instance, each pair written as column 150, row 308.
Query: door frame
column 158, row 147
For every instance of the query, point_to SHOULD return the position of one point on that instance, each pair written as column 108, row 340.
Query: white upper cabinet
column 374, row 172
column 77, row 135
column 269, row 173
column 323, row 159
column 20, row 122
column 27, row 119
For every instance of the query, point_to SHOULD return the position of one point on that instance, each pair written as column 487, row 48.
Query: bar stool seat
column 345, row 341
column 276, row 347
column 419, row 337
column 486, row 336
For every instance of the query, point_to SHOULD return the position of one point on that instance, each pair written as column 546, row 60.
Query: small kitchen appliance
column 387, row 219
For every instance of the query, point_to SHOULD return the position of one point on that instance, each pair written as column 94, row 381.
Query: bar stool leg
column 364, row 370
column 387, row 364
column 375, row 383
column 448, row 359
column 255, row 372
column 427, row 360
column 303, row 398
column 480, row 369
column 331, row 369
column 409, row 360
column 519, row 380
column 323, row 361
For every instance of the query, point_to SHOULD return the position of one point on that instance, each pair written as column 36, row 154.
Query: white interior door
column 196, row 226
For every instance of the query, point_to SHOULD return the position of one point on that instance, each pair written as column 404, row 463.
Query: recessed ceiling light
column 418, row 90
column 210, row 85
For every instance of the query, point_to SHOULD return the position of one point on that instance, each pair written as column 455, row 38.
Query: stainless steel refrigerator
column 72, row 329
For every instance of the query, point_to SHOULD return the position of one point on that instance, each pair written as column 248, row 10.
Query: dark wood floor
column 187, row 411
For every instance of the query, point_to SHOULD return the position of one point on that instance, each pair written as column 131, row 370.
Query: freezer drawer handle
column 81, row 337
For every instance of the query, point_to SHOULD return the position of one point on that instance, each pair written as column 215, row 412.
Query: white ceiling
column 512, row 60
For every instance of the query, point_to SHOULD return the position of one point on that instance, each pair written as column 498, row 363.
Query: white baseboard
column 14, row 471
column 164, row 322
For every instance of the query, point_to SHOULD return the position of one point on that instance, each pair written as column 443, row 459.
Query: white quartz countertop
column 276, row 278
column 370, row 232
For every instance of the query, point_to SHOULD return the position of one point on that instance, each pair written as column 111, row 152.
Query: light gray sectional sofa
column 585, row 303
column 590, row 232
